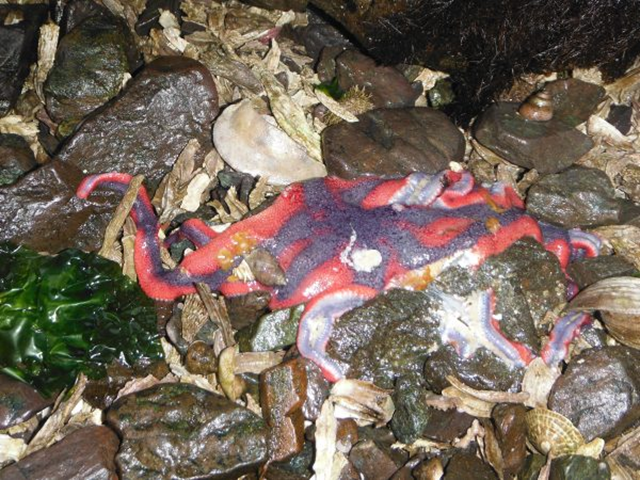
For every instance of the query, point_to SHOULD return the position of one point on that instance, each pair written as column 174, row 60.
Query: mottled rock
column 372, row 461
column 574, row 100
column 181, row 431
column 244, row 310
column 511, row 433
column 317, row 391
column 462, row 464
column 143, row 130
column 588, row 271
column 19, row 39
column 386, row 85
column 571, row 467
column 600, row 391
column 90, row 67
column 16, row 158
column 392, row 142
column 283, row 391
column 412, row 414
column 298, row 467
column 532, row 466
column 85, row 454
column 201, row 358
column 579, row 197
column 387, row 338
column 18, row 402
column 51, row 217
column 549, row 147
column 630, row 183
column 272, row 331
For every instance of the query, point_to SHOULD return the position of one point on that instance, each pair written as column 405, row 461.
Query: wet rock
column 143, row 130
column 16, row 158
column 630, row 183
column 272, row 331
column 98, row 43
column 412, row 414
column 182, row 431
column 511, row 433
column 482, row 370
column 463, row 463
column 318, row 389
column 446, row 425
column 579, row 197
column 574, row 100
column 387, row 338
column 532, row 466
column 297, row 467
column 371, row 461
column 572, row 467
column 283, row 391
column 549, row 147
column 441, row 94
column 392, row 142
column 150, row 16
column 51, row 217
column 87, row 453
column 588, row 271
column 244, row 310
column 386, row 85
column 346, row 435
column 600, row 391
column 620, row 117
column 18, row 402
column 201, row 358
column 19, row 39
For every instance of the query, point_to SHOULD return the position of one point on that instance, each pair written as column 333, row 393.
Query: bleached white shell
column 251, row 143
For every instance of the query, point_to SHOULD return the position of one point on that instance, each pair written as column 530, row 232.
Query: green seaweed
column 69, row 313
column 331, row 88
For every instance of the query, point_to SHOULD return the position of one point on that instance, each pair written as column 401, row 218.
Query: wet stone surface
column 579, row 197
column 549, row 147
column 411, row 414
column 574, row 100
column 317, row 390
column 588, row 271
column 372, row 461
column 18, row 402
column 181, row 431
column 97, row 43
column 386, row 85
column 16, row 158
column 572, row 467
column 600, row 391
column 51, row 217
column 272, row 331
column 19, row 40
column 392, row 142
column 461, row 464
column 283, row 391
column 87, row 453
column 143, row 130
column 511, row 433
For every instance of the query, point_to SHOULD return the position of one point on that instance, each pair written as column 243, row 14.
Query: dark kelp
column 69, row 313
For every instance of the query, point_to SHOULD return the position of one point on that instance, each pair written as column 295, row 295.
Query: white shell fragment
column 252, row 143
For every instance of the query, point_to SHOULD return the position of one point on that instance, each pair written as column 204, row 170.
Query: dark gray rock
column 180, row 431
column 386, row 85
column 150, row 16
column 579, row 197
column 572, row 467
column 588, row 271
column 16, row 158
column 18, row 402
column 412, row 413
column 272, row 331
column 144, row 130
column 372, row 461
column 86, row 454
column 19, row 26
column 318, row 389
column 549, row 147
column 574, row 100
column 392, row 142
column 51, row 217
column 89, row 69
column 467, row 464
column 600, row 391
column 620, row 117
column 391, row 336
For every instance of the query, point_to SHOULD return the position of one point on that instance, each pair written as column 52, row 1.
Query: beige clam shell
column 552, row 433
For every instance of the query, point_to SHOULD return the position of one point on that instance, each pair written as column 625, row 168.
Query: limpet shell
column 552, row 433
